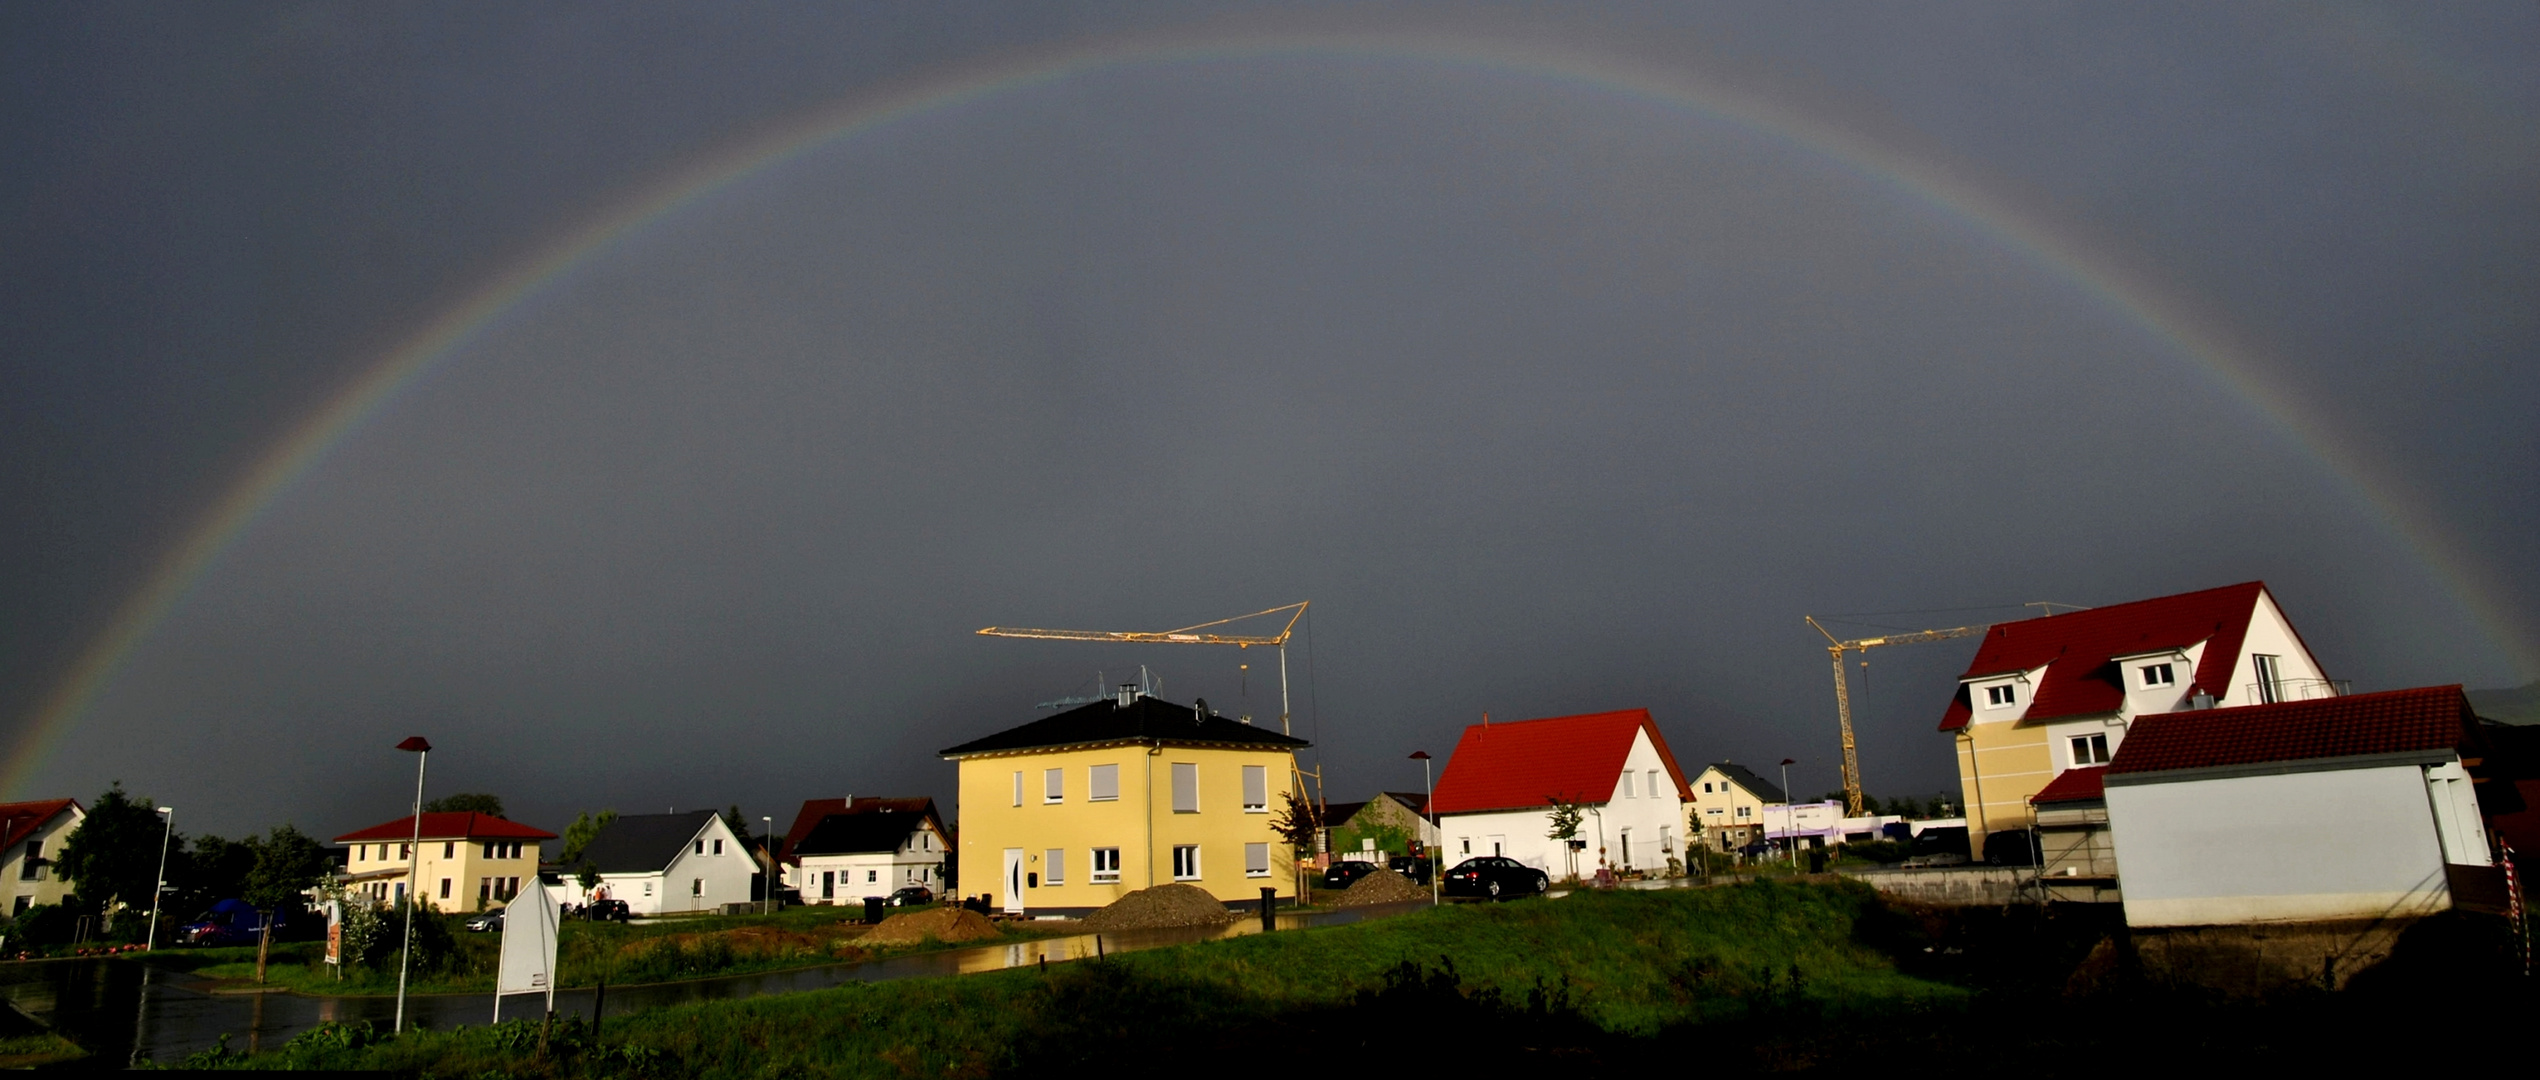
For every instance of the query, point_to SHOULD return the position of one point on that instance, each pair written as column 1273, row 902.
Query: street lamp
column 1789, row 848
column 162, row 884
column 414, row 854
column 767, row 888
column 1428, row 809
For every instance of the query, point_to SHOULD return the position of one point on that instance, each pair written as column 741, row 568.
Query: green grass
column 41, row 1048
column 1625, row 963
column 586, row 953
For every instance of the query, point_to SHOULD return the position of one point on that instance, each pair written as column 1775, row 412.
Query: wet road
column 119, row 1009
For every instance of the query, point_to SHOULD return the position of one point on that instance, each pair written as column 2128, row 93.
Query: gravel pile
column 946, row 924
column 1161, row 906
column 1381, row 887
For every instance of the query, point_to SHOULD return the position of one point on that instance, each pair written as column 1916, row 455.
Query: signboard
column 529, row 946
column 335, row 932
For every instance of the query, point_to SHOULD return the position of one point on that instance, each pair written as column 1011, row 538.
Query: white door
column 1014, row 881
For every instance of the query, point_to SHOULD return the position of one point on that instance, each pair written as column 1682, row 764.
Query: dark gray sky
column 1553, row 397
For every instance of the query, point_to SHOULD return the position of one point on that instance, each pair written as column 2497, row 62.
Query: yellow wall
column 991, row 823
column 2009, row 761
column 464, row 864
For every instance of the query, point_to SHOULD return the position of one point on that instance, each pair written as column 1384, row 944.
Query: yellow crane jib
column 1835, row 648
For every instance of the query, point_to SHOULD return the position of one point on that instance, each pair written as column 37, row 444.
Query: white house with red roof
column 31, row 834
column 467, row 861
column 1496, row 796
column 2060, row 692
column 2358, row 807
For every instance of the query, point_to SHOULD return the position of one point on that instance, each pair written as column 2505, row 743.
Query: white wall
column 2349, row 843
column 724, row 878
column 1644, row 817
column 45, row 884
column 2272, row 634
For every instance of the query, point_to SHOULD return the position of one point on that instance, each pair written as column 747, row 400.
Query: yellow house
column 468, row 861
column 1066, row 814
column 1727, row 811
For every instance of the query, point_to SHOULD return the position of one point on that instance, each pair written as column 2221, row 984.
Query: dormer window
column 1996, row 697
column 2090, row 749
column 2158, row 675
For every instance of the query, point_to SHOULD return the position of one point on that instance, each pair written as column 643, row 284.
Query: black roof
column 851, row 834
column 1144, row 719
column 1746, row 778
column 643, row 843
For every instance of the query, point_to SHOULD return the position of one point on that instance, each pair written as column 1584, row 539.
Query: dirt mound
column 1381, row 887
column 1161, row 906
column 946, row 924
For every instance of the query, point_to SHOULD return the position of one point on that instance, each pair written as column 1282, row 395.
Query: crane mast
column 1835, row 648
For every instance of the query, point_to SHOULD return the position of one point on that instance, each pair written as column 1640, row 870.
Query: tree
column 113, row 857
column 287, row 863
column 1294, row 823
column 466, row 802
column 585, row 828
column 209, row 870
column 1567, row 813
column 739, row 825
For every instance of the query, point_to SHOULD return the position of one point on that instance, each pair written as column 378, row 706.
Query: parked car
column 1496, row 877
column 2011, row 847
column 1345, row 874
column 606, row 911
column 1940, row 847
column 912, row 896
column 1416, row 867
column 229, row 922
column 490, row 922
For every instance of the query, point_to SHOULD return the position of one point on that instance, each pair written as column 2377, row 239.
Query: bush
column 43, row 924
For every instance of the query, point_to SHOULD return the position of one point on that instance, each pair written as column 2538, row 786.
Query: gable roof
column 2075, row 649
column 452, row 825
column 809, row 817
column 2088, row 784
column 1754, row 785
column 861, row 833
column 643, row 843
column 1522, row 765
column 2428, row 722
column 19, row 820
column 1144, row 719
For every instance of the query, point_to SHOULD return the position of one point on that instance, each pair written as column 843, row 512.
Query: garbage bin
column 873, row 909
column 1817, row 860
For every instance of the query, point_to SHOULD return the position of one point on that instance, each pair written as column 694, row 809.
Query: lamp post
column 767, row 889
column 1789, row 848
column 1428, row 809
column 161, row 885
column 414, row 855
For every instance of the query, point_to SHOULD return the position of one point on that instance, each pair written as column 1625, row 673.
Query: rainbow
column 2093, row 268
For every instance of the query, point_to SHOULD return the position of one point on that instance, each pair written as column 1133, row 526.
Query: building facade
column 665, row 864
column 31, row 835
column 1497, row 795
column 843, row 850
column 467, row 862
column 1068, row 813
column 1727, row 807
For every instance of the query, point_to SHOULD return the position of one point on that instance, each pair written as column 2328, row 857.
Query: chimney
column 1128, row 694
column 2201, row 700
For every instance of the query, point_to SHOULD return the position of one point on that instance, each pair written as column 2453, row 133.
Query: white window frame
column 2089, row 749
column 1256, row 860
column 1018, row 787
column 1053, row 786
column 1186, row 862
column 2001, row 695
column 718, row 846
column 1102, row 783
column 2156, row 676
column 1256, row 789
column 1106, row 866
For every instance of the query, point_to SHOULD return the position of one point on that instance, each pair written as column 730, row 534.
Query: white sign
column 529, row 946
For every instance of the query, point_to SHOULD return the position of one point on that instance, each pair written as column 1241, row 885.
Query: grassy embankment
column 586, row 953
column 1588, row 966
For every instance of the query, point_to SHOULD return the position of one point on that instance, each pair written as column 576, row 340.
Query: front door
column 1014, row 881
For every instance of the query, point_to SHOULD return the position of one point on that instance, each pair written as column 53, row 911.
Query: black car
column 606, row 911
column 1345, row 874
column 1416, row 867
column 1496, row 877
column 912, row 896
column 2011, row 847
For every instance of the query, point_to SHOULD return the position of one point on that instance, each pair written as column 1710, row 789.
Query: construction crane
column 1835, row 648
column 1200, row 635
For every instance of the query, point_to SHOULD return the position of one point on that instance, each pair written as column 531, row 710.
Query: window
column 1653, row 784
column 1256, row 860
column 701, row 847
column 1713, row 811
column 1186, row 862
column 1185, row 787
column 2158, row 675
column 24, row 902
column 1256, row 789
column 696, row 886
column 405, row 852
column 1746, row 811
column 718, row 847
column 1106, row 864
column 828, row 882
column 1706, row 787
column 1996, row 697
column 1626, row 845
column 648, row 886
column 445, row 888
column 1053, row 866
column 489, row 849
column 1018, row 789
column 2269, row 673
column 1102, row 783
column 2090, row 749
column 871, row 876
column 33, row 868
column 484, row 889
column 1467, row 843
column 1053, row 786
column 449, row 849
column 1627, row 784
column 1667, row 839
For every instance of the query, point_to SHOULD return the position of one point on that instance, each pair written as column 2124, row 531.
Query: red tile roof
column 2431, row 718
column 461, row 825
column 1521, row 765
column 808, row 818
column 19, row 820
column 2075, row 785
column 2074, row 648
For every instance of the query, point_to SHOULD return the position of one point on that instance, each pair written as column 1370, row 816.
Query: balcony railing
column 2302, row 689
